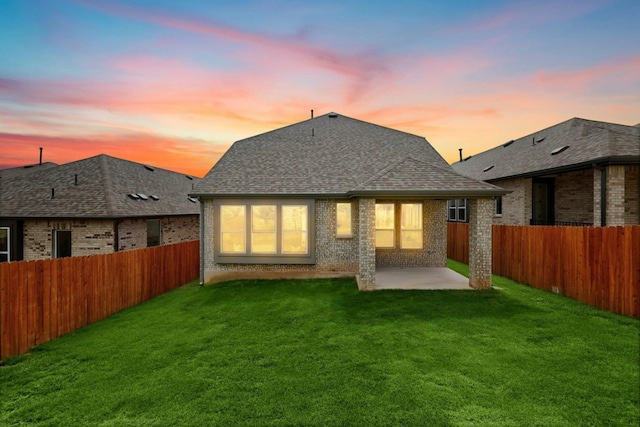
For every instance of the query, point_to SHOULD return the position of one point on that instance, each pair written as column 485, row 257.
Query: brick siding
column 88, row 237
column 574, row 196
column 516, row 206
column 632, row 195
column 480, row 223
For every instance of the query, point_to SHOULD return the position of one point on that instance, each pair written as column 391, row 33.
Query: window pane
column 153, row 232
column 411, row 217
column 499, row 205
column 384, row 216
column 294, row 229
column 411, row 239
column 263, row 218
column 63, row 243
column 462, row 214
column 232, row 229
column 384, row 239
column 264, row 243
column 4, row 239
column 343, row 219
column 4, row 257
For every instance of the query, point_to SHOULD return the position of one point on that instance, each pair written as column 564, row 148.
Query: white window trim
column 8, row 251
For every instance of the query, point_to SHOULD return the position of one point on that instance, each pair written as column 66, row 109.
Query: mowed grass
column 320, row 353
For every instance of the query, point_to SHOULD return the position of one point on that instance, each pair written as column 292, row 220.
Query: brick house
column 97, row 205
column 333, row 196
column 578, row 172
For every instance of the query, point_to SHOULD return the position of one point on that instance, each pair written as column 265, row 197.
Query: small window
column 457, row 210
column 5, row 248
column 62, row 243
column 385, row 232
column 498, row 211
column 232, row 229
column 343, row 220
column 153, row 232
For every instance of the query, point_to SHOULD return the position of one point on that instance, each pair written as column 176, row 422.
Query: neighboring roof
column 586, row 142
column 334, row 155
column 102, row 189
column 22, row 170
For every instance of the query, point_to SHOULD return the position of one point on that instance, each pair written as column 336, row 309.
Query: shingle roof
column 103, row 185
column 333, row 155
column 587, row 141
column 22, row 170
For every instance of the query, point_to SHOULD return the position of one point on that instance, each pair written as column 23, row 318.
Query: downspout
column 201, row 242
column 603, row 194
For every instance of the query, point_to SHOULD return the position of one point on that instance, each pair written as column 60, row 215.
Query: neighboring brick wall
column 367, row 244
column 132, row 234
column 516, row 206
column 434, row 251
column 176, row 229
column 88, row 237
column 597, row 197
column 615, row 195
column 574, row 196
column 480, row 223
column 632, row 195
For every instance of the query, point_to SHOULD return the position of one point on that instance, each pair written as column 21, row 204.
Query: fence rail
column 42, row 300
column 599, row 266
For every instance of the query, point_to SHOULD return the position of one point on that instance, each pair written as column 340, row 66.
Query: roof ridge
column 382, row 171
column 107, row 184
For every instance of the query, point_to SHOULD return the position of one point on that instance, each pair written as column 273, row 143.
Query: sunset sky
column 174, row 83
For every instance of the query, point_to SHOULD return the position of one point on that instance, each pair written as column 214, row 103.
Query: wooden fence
column 42, row 300
column 599, row 266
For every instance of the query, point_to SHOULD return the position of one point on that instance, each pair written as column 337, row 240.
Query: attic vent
column 333, row 115
column 156, row 198
column 188, row 177
column 488, row 168
column 467, row 158
column 143, row 196
column 133, row 196
column 539, row 140
column 506, row 144
column 559, row 150
column 192, row 200
column 149, row 168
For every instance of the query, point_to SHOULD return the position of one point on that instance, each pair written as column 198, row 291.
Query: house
column 578, row 172
column 331, row 196
column 97, row 205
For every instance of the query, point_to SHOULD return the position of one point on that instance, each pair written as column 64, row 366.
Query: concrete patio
column 420, row 278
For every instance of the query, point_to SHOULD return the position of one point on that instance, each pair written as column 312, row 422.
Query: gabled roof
column 573, row 144
column 102, row 191
column 333, row 155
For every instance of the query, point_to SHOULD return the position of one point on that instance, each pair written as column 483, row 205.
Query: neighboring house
column 93, row 206
column 332, row 196
column 578, row 172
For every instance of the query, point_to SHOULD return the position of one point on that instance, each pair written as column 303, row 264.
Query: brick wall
column 480, row 227
column 132, row 234
column 615, row 195
column 632, row 195
column 574, row 196
column 516, row 206
column 176, row 229
column 88, row 237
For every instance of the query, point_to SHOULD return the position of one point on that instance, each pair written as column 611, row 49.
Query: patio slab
column 423, row 278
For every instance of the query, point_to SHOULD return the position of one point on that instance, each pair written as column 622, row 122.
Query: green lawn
column 320, row 353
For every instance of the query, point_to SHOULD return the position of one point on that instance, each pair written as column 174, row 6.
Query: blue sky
column 175, row 83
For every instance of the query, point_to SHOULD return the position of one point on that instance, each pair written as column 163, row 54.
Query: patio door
column 542, row 205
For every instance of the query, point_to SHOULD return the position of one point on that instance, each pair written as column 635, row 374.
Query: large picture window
column 405, row 233
column 264, row 231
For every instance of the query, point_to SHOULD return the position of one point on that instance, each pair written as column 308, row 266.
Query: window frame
column 279, row 257
column 392, row 229
column 153, row 221
column 56, row 240
column 456, row 206
column 498, row 207
column 421, row 229
column 350, row 220
column 6, row 252
column 397, row 226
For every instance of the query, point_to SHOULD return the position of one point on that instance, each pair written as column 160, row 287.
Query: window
column 498, row 211
column 385, row 229
column 457, row 210
column 343, row 220
column 153, row 232
column 62, row 243
column 5, row 251
column 411, row 226
column 264, row 231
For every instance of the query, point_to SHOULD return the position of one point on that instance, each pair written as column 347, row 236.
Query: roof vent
column 506, row 144
column 559, row 150
column 189, row 177
column 488, row 168
column 133, row 196
column 333, row 115
column 467, row 158
column 539, row 140
column 192, row 200
column 153, row 197
column 149, row 168
column 143, row 196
